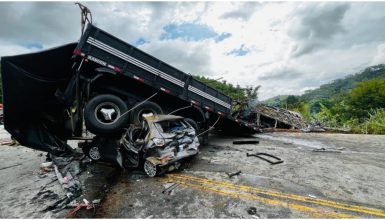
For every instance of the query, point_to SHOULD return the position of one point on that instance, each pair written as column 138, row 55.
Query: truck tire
column 204, row 138
column 104, row 114
column 145, row 108
column 193, row 124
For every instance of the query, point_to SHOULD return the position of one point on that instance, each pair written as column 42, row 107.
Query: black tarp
column 33, row 115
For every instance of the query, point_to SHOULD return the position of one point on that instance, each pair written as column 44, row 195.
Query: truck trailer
column 102, row 84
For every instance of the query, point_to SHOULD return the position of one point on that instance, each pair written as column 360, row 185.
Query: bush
column 375, row 124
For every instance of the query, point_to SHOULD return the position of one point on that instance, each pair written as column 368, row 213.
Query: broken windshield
column 171, row 126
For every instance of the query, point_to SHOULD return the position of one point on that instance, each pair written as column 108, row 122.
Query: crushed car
column 160, row 144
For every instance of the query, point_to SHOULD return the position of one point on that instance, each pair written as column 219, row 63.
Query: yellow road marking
column 333, row 204
column 315, row 212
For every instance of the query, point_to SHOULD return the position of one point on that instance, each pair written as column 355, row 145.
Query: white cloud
column 379, row 58
column 292, row 46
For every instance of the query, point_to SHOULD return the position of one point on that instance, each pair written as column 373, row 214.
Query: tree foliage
column 235, row 92
column 357, row 101
column 366, row 96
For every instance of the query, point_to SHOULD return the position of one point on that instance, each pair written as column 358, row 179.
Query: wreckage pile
column 273, row 117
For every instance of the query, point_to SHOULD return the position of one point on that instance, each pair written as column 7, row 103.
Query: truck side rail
column 106, row 50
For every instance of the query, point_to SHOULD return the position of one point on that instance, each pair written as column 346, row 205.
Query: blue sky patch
column 242, row 51
column 221, row 37
column 31, row 45
column 140, row 41
column 191, row 32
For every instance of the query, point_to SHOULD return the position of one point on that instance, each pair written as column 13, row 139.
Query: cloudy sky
column 286, row 47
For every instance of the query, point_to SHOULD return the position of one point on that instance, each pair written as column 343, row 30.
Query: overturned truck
column 103, row 85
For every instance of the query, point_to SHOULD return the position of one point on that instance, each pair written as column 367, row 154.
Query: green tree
column 292, row 101
column 366, row 96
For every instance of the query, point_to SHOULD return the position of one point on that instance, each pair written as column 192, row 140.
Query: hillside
column 335, row 88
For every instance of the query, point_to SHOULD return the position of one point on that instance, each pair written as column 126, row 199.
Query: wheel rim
column 145, row 111
column 107, row 113
column 149, row 168
column 94, row 153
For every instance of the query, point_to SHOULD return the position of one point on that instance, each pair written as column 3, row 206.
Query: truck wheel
column 204, row 138
column 193, row 124
column 104, row 114
column 145, row 108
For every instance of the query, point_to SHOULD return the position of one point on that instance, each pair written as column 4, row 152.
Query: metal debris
column 3, row 168
column 46, row 164
column 326, row 150
column 169, row 188
column 234, row 174
column 259, row 155
column 11, row 142
column 252, row 211
column 269, row 116
column 246, row 142
column 73, row 212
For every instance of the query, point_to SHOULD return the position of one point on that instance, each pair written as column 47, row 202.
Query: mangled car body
column 161, row 143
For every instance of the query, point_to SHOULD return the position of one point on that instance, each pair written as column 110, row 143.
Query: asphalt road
column 345, row 181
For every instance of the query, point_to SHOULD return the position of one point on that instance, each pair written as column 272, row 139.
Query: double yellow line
column 252, row 193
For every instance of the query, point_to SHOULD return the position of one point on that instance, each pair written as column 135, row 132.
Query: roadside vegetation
column 356, row 102
column 241, row 96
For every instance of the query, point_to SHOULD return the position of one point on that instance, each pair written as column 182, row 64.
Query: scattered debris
column 259, row 155
column 338, row 130
column 234, row 174
column 252, row 211
column 246, row 142
column 7, row 142
column 169, row 188
column 46, row 164
column 326, row 150
column 45, row 194
column 314, row 127
column 11, row 142
column 96, row 201
column 66, row 170
column 58, row 205
column 3, row 168
column 73, row 212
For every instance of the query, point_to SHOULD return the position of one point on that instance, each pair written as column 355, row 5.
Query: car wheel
column 92, row 152
column 145, row 108
column 104, row 114
column 150, row 168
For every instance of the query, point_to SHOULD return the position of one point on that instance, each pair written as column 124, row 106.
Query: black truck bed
column 109, row 51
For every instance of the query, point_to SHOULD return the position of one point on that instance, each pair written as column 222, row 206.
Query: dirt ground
column 345, row 181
